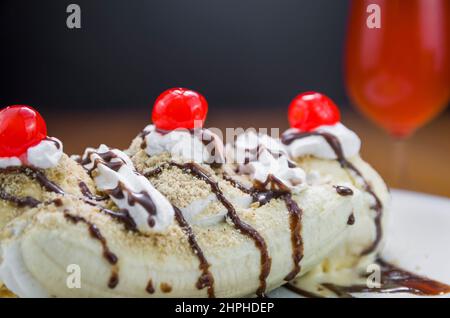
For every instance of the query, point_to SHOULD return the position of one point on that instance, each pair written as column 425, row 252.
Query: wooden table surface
column 425, row 156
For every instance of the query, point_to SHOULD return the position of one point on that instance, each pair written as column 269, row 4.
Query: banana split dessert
column 181, row 214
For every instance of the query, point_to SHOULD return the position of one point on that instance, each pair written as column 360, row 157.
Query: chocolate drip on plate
column 333, row 142
column 301, row 292
column 95, row 233
column 393, row 280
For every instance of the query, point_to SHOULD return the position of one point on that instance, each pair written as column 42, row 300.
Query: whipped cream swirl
column 46, row 154
column 130, row 191
column 189, row 145
column 265, row 160
column 315, row 145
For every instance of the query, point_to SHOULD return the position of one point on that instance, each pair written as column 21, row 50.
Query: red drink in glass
column 399, row 74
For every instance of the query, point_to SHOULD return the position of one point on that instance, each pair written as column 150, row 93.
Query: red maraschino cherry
column 310, row 110
column 21, row 127
column 179, row 108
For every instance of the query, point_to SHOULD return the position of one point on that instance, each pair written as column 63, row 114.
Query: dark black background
column 238, row 53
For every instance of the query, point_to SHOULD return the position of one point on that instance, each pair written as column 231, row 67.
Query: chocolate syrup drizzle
column 295, row 220
column 37, row 175
column 20, row 202
column 33, row 174
column 88, row 194
column 206, row 279
column 105, row 158
column 333, row 142
column 343, row 191
column 263, row 196
column 95, row 233
column 302, row 292
column 122, row 216
column 244, row 228
column 150, row 289
column 394, row 279
column 142, row 198
column 351, row 219
column 56, row 142
column 143, row 134
column 204, row 135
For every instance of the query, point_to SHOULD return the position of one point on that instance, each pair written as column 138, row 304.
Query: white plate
column 417, row 238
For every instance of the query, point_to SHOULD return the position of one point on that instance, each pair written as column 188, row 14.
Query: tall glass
column 398, row 75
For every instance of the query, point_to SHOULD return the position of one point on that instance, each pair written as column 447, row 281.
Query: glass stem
column 399, row 176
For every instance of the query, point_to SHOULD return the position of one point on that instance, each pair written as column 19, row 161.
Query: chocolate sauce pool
column 333, row 142
column 393, row 280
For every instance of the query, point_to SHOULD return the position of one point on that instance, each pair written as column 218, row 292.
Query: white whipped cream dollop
column 46, row 154
column 195, row 214
column 116, row 175
column 317, row 145
column 13, row 269
column 263, row 157
column 183, row 143
column 6, row 162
